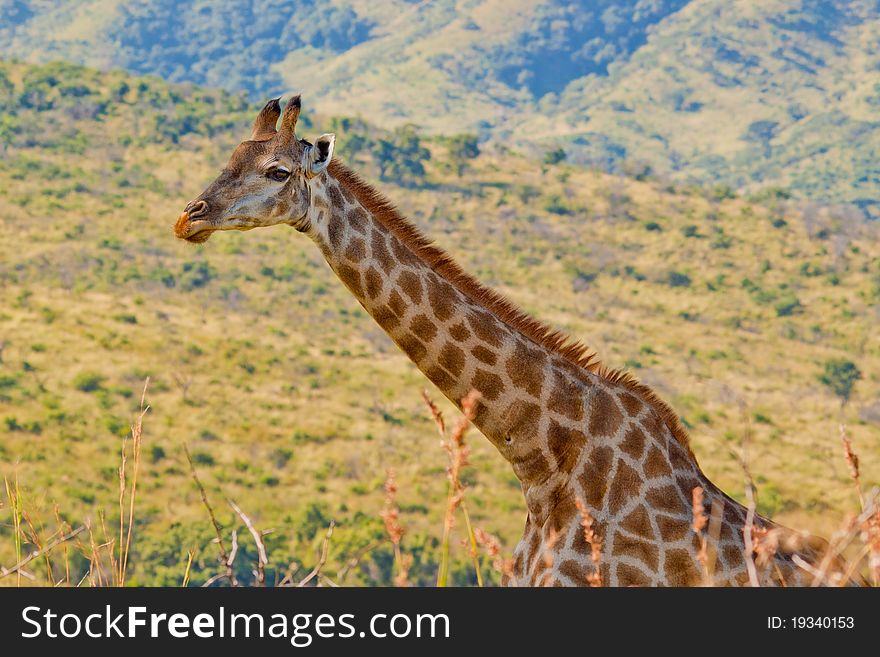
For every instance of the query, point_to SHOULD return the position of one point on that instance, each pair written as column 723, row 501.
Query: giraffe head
column 266, row 181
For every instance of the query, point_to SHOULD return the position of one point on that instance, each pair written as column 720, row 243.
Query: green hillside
column 294, row 403
column 751, row 95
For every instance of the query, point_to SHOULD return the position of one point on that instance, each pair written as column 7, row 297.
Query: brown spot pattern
column 411, row 285
column 532, row 467
column 486, row 327
column 605, row 417
column 633, row 442
column 593, row 479
column 639, row 523
column 373, row 283
column 452, row 358
column 440, row 378
column 672, row 529
column 566, row 398
column 352, row 279
column 646, row 552
column 664, row 499
column 386, row 318
column 630, row 576
column 521, row 419
column 358, row 220
column 457, row 331
column 335, row 233
column 575, row 571
column 441, row 296
column 680, row 568
column 412, row 346
column 626, row 484
column 487, row 383
column 565, row 445
column 396, row 303
column 356, row 250
column 423, row 327
column 525, row 368
column 485, row 355
column 732, row 554
column 631, row 404
column 403, row 253
column 380, row 252
column 656, row 464
column 335, row 196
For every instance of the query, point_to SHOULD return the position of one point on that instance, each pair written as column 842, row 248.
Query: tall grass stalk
column 137, row 432
column 13, row 494
column 457, row 452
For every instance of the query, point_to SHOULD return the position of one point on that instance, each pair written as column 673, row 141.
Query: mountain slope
column 746, row 94
column 293, row 402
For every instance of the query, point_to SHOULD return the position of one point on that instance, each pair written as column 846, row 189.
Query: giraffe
column 580, row 437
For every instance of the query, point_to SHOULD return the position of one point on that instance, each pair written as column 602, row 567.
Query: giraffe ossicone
column 574, row 432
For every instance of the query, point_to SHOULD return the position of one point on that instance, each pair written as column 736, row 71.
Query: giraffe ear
column 319, row 155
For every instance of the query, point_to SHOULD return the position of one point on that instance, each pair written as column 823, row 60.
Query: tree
column 400, row 157
column 840, row 375
column 555, row 156
column 462, row 148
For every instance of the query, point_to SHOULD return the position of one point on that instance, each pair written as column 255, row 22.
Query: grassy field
column 294, row 404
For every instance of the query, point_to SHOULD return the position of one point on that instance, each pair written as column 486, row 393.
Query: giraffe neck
column 530, row 395
column 571, row 434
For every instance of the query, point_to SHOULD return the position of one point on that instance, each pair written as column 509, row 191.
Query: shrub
column 156, row 454
column 555, row 156
column 556, row 205
column 203, row 458
column 678, row 279
column 840, row 376
column 787, row 305
column 88, row 381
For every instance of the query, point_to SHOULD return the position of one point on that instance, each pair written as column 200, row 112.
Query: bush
column 555, row 156
column 678, row 279
column 788, row 305
column 156, row 454
column 556, row 205
column 840, row 376
column 88, row 381
column 203, row 458
column 461, row 149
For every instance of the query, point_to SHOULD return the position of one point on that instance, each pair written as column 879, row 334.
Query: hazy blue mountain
column 782, row 92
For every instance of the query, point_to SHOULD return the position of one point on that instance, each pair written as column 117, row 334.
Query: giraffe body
column 573, row 431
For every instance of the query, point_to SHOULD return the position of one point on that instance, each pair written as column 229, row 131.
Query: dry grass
column 457, row 454
column 391, row 517
column 595, row 543
column 852, row 554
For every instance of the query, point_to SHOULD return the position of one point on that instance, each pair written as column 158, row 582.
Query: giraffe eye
column 278, row 174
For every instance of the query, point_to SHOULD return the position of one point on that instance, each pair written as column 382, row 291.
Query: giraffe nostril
column 196, row 209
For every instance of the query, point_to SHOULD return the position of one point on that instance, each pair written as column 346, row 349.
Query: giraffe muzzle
column 189, row 227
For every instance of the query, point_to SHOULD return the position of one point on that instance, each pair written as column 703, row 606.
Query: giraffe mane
column 504, row 310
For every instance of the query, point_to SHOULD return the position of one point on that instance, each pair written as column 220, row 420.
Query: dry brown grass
column 593, row 540
column 391, row 517
column 457, row 455
column 851, row 555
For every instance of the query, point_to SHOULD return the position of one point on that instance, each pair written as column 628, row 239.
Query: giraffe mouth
column 194, row 232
